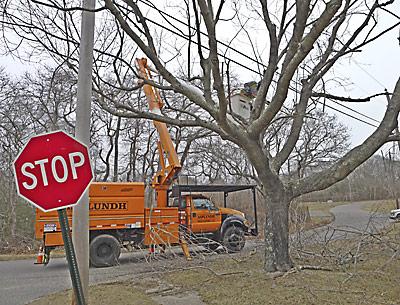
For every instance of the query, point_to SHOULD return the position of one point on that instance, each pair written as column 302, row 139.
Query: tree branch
column 357, row 155
column 291, row 65
column 347, row 99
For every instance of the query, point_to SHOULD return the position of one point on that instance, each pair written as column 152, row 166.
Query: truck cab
column 209, row 225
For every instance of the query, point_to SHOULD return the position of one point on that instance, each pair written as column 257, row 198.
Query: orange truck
column 118, row 215
column 118, row 218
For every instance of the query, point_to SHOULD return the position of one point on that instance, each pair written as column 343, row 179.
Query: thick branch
column 295, row 130
column 323, row 69
column 302, row 51
column 347, row 99
column 218, row 85
column 272, row 65
column 357, row 155
column 168, row 76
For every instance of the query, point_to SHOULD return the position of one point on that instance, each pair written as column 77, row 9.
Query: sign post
column 71, row 257
column 52, row 172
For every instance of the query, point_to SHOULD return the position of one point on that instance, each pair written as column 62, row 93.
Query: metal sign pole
column 71, row 258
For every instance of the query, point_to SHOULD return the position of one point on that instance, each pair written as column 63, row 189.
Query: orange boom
column 118, row 216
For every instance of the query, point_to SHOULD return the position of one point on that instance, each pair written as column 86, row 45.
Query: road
column 22, row 281
column 350, row 221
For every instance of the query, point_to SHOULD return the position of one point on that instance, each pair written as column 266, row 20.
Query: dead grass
column 324, row 217
column 319, row 221
column 380, row 206
column 104, row 294
column 323, row 207
column 239, row 279
column 372, row 280
column 13, row 257
column 305, row 287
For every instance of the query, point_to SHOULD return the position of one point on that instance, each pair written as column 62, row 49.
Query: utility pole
column 80, row 217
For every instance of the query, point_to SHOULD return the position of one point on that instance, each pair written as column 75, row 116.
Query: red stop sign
column 52, row 171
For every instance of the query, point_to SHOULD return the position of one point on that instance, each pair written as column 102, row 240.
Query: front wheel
column 104, row 251
column 234, row 239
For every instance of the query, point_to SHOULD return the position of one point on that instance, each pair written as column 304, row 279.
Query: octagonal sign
column 52, row 171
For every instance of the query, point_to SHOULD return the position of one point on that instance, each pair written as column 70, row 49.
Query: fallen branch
column 310, row 267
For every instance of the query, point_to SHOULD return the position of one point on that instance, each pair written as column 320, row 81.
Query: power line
column 369, row 74
column 149, row 4
column 348, row 108
column 203, row 46
column 242, row 65
column 349, row 115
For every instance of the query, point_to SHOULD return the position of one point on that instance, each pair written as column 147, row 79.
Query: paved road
column 350, row 221
column 352, row 216
column 22, row 281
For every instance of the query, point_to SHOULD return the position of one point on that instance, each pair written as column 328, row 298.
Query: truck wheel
column 104, row 251
column 233, row 239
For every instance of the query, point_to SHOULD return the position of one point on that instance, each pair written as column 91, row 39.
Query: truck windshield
column 202, row 203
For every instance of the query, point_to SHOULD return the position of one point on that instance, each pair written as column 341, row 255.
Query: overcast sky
column 377, row 67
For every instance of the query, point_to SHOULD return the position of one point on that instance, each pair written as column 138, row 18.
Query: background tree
column 307, row 36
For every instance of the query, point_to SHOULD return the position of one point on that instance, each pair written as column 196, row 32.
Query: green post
column 71, row 258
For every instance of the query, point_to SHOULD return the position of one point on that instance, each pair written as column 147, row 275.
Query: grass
column 380, row 206
column 305, row 287
column 12, row 257
column 239, row 279
column 104, row 294
column 323, row 206
column 319, row 221
column 325, row 217
column 372, row 280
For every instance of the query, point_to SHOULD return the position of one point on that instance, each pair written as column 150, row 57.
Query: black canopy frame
column 178, row 189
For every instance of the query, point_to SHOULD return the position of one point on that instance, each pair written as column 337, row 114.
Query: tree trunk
column 13, row 221
column 13, row 213
column 277, row 256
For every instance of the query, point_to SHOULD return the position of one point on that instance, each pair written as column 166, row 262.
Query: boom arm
column 168, row 172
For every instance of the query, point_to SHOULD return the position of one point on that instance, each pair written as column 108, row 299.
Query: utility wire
column 348, row 108
column 162, row 13
column 248, row 57
column 203, row 46
column 149, row 4
column 347, row 114
column 369, row 74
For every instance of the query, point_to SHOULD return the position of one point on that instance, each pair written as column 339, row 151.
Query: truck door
column 205, row 217
column 183, row 210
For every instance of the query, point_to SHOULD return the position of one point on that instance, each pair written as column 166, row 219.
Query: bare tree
column 308, row 35
column 15, row 125
column 322, row 141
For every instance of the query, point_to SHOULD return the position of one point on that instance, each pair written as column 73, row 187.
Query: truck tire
column 233, row 239
column 104, row 251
